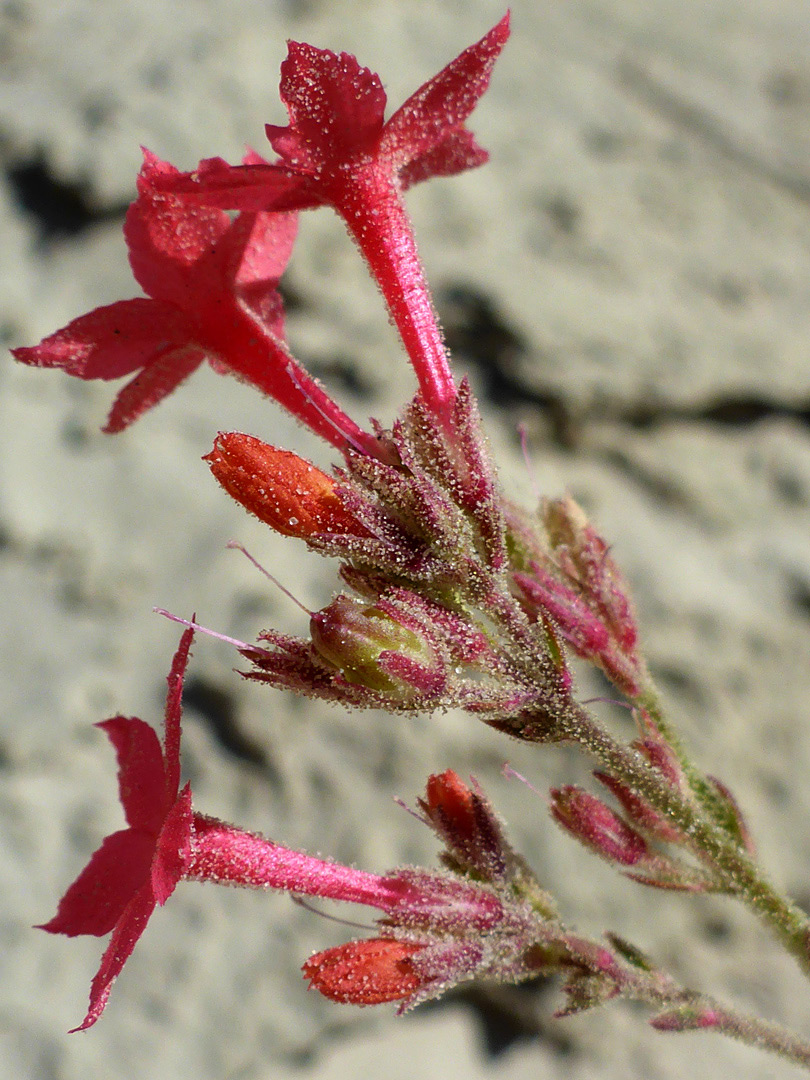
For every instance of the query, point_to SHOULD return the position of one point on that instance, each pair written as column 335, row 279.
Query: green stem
column 763, row 1034
column 739, row 872
column 678, row 1008
column 699, row 821
column 693, row 1011
column 650, row 702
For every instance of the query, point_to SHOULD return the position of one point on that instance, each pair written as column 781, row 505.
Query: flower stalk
column 448, row 596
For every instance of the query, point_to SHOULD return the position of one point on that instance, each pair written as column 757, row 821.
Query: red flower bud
column 448, row 797
column 595, row 825
column 365, row 972
column 283, row 490
column 466, row 823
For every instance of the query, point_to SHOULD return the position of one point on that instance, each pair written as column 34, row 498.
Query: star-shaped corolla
column 338, row 150
column 139, row 867
column 166, row 841
column 211, row 294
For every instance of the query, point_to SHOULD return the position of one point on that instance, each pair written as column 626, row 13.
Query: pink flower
column 165, row 842
column 212, row 294
column 139, row 867
column 339, row 151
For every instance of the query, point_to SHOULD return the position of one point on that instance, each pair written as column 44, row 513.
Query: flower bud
column 283, row 490
column 464, row 820
column 576, row 584
column 586, row 553
column 693, row 1016
column 368, row 972
column 596, row 826
column 376, row 650
column 639, row 810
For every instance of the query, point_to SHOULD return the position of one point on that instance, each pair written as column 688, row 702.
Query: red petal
column 99, row 895
column 175, row 250
column 173, row 848
column 336, row 108
column 260, row 248
column 266, row 306
column 161, row 375
column 111, row 341
column 125, row 936
column 457, row 152
column 171, row 739
column 141, row 772
column 445, row 101
column 365, row 972
column 250, row 188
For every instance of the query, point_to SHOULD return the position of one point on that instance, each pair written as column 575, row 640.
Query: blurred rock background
column 629, row 278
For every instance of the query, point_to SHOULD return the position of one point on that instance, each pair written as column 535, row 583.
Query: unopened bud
column 639, row 810
column 373, row 649
column 689, row 1017
column 365, row 972
column 586, row 553
column 596, row 826
column 466, row 823
column 733, row 820
column 283, row 490
column 578, row 586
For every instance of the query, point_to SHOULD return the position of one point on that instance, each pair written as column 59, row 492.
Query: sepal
column 572, row 579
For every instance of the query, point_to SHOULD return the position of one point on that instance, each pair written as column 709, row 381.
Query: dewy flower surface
column 165, row 842
column 212, row 294
column 339, row 151
column 282, row 489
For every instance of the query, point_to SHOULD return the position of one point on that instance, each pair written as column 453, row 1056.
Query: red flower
column 166, row 841
column 139, row 867
column 211, row 284
column 339, row 151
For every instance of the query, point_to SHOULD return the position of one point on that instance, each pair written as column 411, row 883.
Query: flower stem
column 679, row 1008
column 761, row 1033
column 708, row 840
column 738, row 871
column 650, row 702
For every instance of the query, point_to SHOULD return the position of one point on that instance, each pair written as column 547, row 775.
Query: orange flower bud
column 464, row 820
column 449, row 797
column 283, row 490
column 365, row 972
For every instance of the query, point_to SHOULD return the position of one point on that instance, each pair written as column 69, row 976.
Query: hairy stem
column 696, row 819
column 741, row 875
column 679, row 1008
